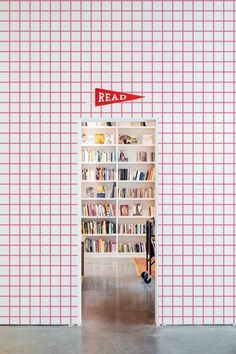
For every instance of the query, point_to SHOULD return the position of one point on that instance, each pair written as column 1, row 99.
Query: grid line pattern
column 197, row 173
column 38, row 204
column 181, row 56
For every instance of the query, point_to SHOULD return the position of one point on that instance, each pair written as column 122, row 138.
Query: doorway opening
column 117, row 196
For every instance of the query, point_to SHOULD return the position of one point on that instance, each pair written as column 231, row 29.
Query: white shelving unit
column 119, row 128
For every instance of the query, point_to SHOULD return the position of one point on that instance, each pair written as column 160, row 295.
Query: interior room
column 118, row 165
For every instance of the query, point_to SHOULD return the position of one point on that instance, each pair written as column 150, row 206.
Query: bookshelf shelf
column 99, row 235
column 98, row 145
column 135, row 145
column 136, row 163
column 136, row 127
column 100, row 199
column 132, row 235
column 98, row 181
column 117, row 233
column 114, row 254
column 98, row 163
column 135, row 217
column 133, row 199
column 133, row 181
column 98, row 217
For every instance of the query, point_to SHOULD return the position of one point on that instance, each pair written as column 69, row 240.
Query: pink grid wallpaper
column 181, row 56
column 38, row 242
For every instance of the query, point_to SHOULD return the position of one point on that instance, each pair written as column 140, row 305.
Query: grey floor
column 118, row 316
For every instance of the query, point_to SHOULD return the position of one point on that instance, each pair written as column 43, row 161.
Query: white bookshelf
column 131, row 151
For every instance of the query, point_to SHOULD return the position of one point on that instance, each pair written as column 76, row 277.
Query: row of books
column 99, row 246
column 98, row 156
column 138, row 247
column 135, row 193
column 136, row 229
column 101, row 191
column 144, row 156
column 98, row 174
column 109, row 246
column 126, row 175
column 98, row 227
column 106, row 209
column 98, row 138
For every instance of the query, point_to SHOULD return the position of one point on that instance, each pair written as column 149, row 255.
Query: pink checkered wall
column 181, row 56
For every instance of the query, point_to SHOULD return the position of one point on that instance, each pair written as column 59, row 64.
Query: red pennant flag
column 105, row 97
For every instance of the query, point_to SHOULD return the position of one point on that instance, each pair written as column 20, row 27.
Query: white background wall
column 180, row 56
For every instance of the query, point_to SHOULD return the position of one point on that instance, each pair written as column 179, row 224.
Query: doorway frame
column 79, row 257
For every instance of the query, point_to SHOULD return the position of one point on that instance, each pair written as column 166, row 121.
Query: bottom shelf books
column 99, row 246
column 138, row 247
column 109, row 246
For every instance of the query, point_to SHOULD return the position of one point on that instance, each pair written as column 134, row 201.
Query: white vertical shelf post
column 79, row 190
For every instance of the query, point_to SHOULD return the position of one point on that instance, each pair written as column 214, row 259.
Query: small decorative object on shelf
column 147, row 139
column 123, row 155
column 90, row 192
column 84, row 139
column 124, row 210
column 126, row 139
column 109, row 139
column 99, row 138
column 137, row 209
column 101, row 191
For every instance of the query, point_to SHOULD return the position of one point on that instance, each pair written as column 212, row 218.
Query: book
column 90, row 192
column 124, row 210
column 137, row 209
column 109, row 139
column 152, row 211
column 99, row 138
column 147, row 139
column 141, row 156
column 91, row 139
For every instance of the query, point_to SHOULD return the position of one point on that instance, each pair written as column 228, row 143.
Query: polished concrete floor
column 118, row 316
